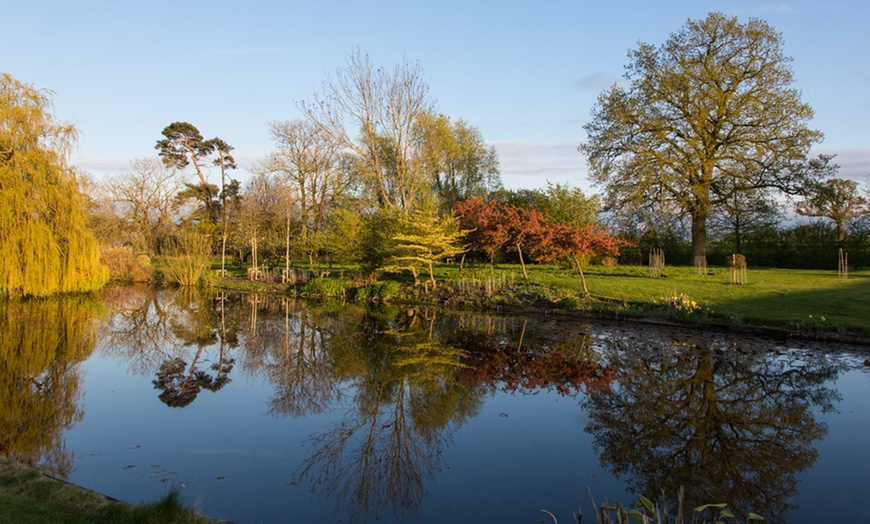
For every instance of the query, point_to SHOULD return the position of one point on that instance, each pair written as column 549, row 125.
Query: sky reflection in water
column 270, row 410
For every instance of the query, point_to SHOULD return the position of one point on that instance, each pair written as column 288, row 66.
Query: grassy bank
column 28, row 496
column 800, row 300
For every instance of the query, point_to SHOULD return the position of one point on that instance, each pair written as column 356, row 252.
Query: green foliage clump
column 568, row 303
column 378, row 290
column 326, row 287
column 189, row 260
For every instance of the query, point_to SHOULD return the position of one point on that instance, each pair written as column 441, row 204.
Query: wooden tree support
column 843, row 268
column 656, row 262
column 738, row 269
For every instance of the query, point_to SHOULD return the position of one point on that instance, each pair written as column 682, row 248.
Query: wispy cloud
column 523, row 157
column 782, row 8
column 854, row 163
column 248, row 51
column 597, row 82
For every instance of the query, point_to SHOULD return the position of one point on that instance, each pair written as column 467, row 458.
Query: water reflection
column 172, row 331
column 42, row 344
column 395, row 385
column 730, row 423
column 405, row 404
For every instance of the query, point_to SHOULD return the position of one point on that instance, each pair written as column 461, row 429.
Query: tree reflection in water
column 155, row 329
column 42, row 344
column 407, row 402
column 297, row 363
column 729, row 423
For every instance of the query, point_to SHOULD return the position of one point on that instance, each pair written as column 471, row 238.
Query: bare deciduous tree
column 144, row 198
column 372, row 112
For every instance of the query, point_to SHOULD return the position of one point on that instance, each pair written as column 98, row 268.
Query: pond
column 267, row 409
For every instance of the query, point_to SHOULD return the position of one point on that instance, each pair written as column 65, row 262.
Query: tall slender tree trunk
column 522, row 262
column 699, row 238
column 582, row 277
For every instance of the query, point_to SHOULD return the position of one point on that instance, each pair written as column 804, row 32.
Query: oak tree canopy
column 708, row 114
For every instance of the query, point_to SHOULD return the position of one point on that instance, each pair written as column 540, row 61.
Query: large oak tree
column 710, row 113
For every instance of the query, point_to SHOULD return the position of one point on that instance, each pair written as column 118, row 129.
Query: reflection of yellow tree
column 733, row 426
column 42, row 344
column 379, row 458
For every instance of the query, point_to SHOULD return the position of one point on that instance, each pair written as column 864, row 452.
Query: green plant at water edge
column 378, row 290
column 568, row 303
column 326, row 287
column 188, row 261
column 646, row 511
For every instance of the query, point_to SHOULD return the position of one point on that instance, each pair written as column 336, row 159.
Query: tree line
column 707, row 141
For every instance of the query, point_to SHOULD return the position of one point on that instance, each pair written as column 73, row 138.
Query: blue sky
column 525, row 73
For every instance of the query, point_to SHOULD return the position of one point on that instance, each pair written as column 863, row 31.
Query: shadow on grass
column 842, row 306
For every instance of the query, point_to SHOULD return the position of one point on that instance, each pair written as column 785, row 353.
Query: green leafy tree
column 570, row 206
column 46, row 244
column 709, row 113
column 837, row 199
column 460, row 164
column 423, row 240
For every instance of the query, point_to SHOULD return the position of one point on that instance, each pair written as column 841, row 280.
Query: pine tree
column 45, row 244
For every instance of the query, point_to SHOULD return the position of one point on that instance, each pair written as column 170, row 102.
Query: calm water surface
column 263, row 409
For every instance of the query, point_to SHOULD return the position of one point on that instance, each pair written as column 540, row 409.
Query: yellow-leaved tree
column 423, row 240
column 45, row 244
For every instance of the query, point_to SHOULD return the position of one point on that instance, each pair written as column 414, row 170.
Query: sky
column 526, row 74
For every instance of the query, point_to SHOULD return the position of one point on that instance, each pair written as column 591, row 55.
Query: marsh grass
column 27, row 496
column 189, row 261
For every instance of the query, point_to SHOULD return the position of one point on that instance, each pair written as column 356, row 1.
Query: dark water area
column 265, row 409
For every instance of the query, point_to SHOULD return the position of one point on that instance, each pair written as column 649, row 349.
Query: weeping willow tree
column 45, row 244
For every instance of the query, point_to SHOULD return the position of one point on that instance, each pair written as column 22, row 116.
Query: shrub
column 189, row 260
column 568, row 303
column 126, row 266
column 326, row 287
column 378, row 290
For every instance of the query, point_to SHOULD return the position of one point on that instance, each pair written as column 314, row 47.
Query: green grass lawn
column 28, row 496
column 781, row 297
column 799, row 299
